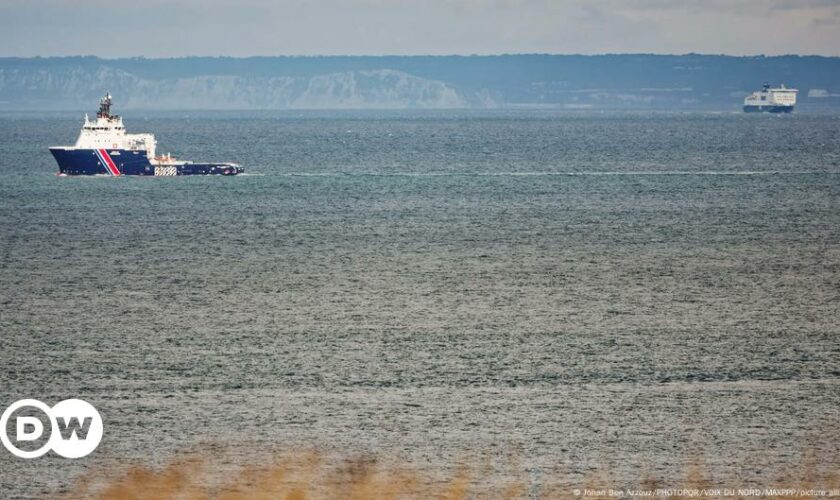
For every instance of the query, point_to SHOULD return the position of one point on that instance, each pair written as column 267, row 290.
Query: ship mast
column 105, row 107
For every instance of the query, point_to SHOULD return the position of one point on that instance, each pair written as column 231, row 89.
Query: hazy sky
column 155, row 28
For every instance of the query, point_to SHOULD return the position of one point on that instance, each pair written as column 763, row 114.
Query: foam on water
column 537, row 174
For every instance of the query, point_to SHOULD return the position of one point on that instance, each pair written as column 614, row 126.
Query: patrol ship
column 778, row 100
column 104, row 148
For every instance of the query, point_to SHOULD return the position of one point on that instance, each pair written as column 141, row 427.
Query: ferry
column 772, row 100
column 104, row 148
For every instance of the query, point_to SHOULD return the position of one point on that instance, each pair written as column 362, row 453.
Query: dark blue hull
column 116, row 162
column 768, row 109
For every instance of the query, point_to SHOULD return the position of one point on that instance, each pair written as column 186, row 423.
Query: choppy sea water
column 603, row 297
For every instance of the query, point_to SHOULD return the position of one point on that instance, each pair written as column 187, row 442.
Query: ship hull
column 768, row 109
column 118, row 162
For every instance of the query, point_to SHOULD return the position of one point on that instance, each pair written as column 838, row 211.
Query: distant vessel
column 103, row 148
column 778, row 100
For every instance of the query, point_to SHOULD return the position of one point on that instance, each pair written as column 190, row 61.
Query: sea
column 567, row 299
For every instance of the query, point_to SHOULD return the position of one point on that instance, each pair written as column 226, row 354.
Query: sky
column 166, row 28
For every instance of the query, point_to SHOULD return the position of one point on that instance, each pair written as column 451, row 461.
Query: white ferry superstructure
column 771, row 100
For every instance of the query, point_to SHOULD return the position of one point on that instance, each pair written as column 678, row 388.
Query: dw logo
column 75, row 428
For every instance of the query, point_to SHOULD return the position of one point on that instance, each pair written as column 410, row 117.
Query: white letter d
column 29, row 428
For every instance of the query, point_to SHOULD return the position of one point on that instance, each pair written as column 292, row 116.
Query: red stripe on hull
column 109, row 163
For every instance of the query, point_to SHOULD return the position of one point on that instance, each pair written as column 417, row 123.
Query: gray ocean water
column 615, row 296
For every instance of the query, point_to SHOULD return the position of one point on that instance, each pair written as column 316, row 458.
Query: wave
column 552, row 174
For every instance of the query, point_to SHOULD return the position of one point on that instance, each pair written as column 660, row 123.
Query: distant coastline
column 611, row 81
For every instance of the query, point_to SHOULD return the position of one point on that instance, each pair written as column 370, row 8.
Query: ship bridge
column 108, row 132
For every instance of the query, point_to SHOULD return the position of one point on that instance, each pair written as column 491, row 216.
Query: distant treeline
column 532, row 80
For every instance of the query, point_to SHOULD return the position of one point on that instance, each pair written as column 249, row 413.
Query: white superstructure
column 108, row 132
column 778, row 100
